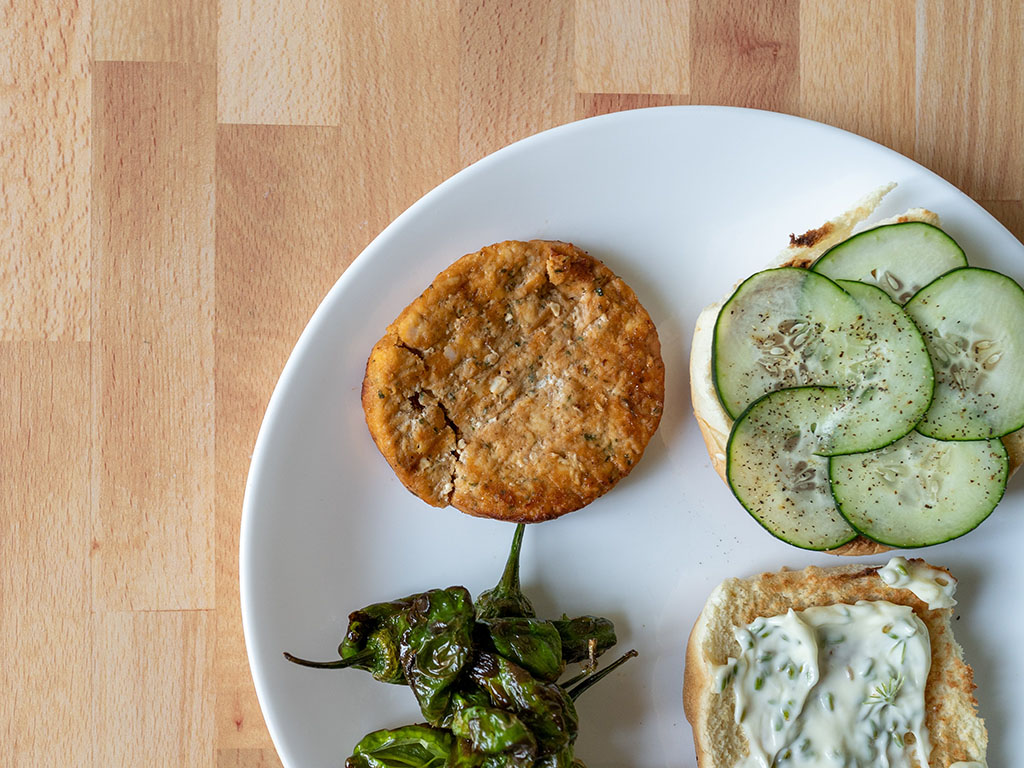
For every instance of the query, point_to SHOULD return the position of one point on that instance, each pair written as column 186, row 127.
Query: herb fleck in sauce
column 839, row 685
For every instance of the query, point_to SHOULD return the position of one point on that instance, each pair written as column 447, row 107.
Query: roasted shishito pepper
column 371, row 642
column 484, row 676
column 437, row 645
column 563, row 759
column 542, row 647
column 411, row 746
column 511, row 624
column 492, row 739
column 533, row 644
column 585, row 637
column 545, row 647
column 494, row 732
column 422, row 641
column 545, row 707
column 373, row 637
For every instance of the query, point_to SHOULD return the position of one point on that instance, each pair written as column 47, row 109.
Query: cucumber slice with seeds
column 898, row 258
column 775, row 472
column 893, row 380
column 919, row 491
column 829, row 376
column 972, row 321
column 781, row 328
column 790, row 327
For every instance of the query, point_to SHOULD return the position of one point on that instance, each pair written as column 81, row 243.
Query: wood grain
column 153, row 689
column 279, row 62
column 593, row 104
column 154, row 30
column 171, row 216
column 407, row 143
column 247, row 758
column 970, row 84
column 153, row 336
column 45, row 714
column 45, row 119
column 747, row 54
column 44, row 428
column 280, row 246
column 516, row 72
column 876, row 39
column 637, row 47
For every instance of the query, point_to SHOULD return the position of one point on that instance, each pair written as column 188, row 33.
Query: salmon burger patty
column 522, row 384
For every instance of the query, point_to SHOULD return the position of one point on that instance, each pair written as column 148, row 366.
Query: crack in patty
column 541, row 383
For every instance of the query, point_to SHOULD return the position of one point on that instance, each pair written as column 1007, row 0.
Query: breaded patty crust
column 522, row 384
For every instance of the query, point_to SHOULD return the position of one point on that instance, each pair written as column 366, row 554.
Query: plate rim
column 377, row 243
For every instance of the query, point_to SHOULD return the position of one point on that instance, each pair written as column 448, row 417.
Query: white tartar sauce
column 838, row 686
column 931, row 585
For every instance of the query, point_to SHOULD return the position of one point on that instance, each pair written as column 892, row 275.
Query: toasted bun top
column 955, row 730
column 803, row 250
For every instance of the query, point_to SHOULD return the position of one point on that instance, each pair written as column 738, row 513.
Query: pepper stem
column 574, row 693
column 359, row 658
column 510, row 577
column 575, row 679
column 506, row 599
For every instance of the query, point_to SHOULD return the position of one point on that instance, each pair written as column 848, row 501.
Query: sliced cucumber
column 972, row 322
column 919, row 491
column 893, row 380
column 898, row 258
column 773, row 469
column 784, row 327
column 788, row 327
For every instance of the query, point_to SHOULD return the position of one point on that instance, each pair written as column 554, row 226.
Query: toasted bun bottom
column 955, row 730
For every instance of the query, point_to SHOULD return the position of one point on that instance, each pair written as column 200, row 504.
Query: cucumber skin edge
column 983, row 518
column 948, row 437
column 820, row 259
column 714, row 334
column 728, row 475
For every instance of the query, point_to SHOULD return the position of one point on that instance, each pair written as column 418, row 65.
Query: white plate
column 681, row 202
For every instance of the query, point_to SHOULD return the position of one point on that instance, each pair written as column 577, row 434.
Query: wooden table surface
column 181, row 181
